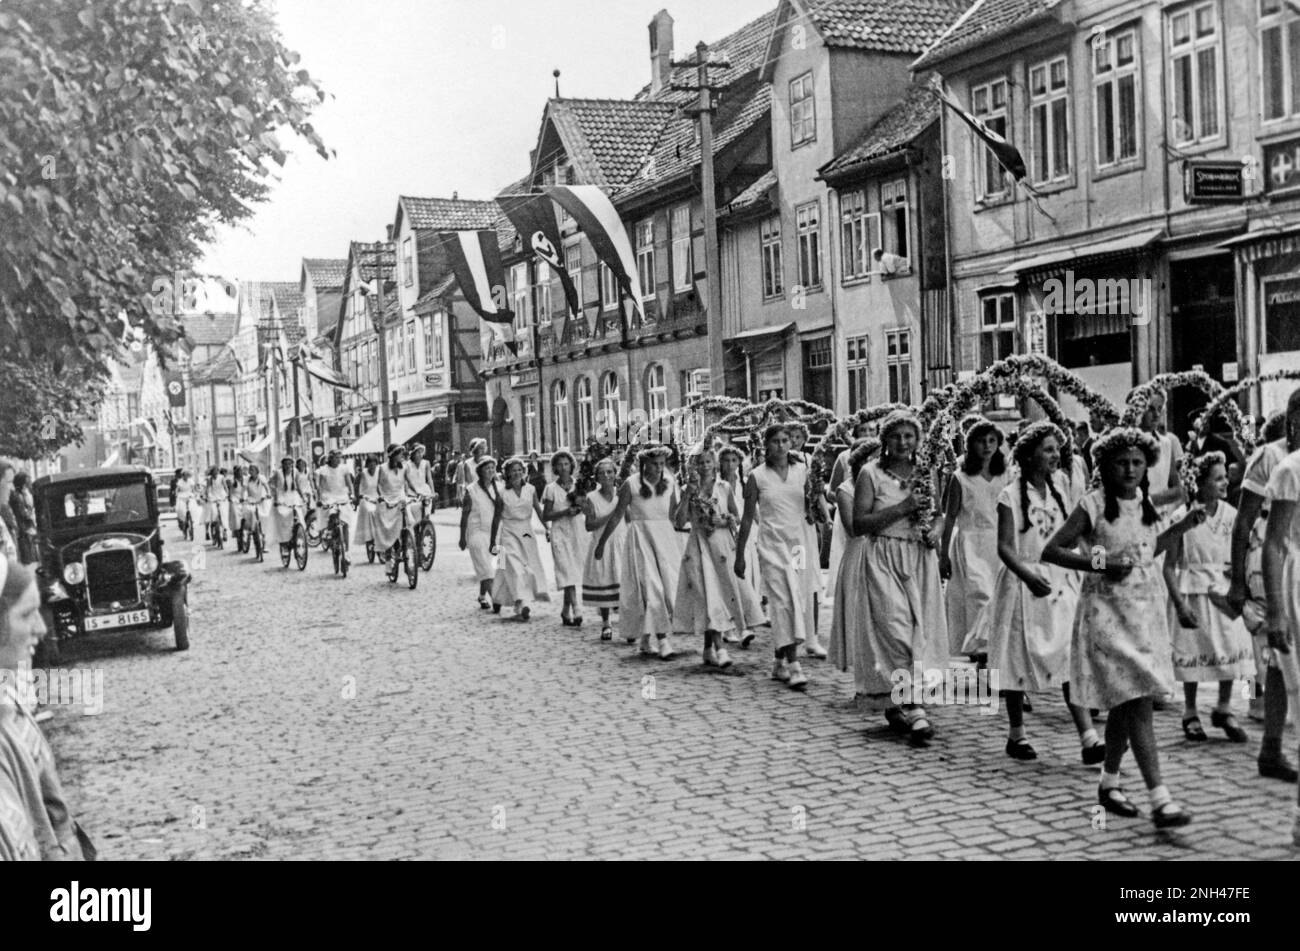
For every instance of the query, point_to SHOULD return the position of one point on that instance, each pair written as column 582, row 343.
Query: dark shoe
column 606, row 633
column 1277, row 768
column 1193, row 730
column 525, row 613
column 1092, row 755
column 1027, row 706
column 1228, row 724
column 1170, row 816
column 919, row 730
column 1021, row 750
column 496, row 608
column 576, row 620
column 1159, row 704
column 897, row 722
column 1114, row 801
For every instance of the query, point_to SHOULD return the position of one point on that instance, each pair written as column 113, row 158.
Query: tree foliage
column 41, row 410
column 128, row 130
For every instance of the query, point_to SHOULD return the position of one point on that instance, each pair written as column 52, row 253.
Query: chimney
column 661, row 51
column 390, row 232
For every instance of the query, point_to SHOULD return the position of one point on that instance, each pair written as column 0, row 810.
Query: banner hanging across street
column 600, row 222
column 534, row 217
column 475, row 259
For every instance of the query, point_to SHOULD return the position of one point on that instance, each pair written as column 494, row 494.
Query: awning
column 400, row 431
column 1266, row 242
column 760, row 335
column 1085, row 252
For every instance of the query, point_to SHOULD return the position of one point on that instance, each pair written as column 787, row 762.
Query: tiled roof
column 608, row 139
column 204, row 331
column 438, row 290
column 368, row 267
column 743, row 49
column 447, row 214
column 899, row 127
column 676, row 152
column 326, row 273
column 755, row 192
column 288, row 300
column 891, row 26
column 223, row 368
column 984, row 21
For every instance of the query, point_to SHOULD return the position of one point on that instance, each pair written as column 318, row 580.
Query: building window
column 528, row 405
column 609, row 400
column 808, row 228
column 433, row 342
column 803, row 112
column 408, row 263
column 1115, row 77
column 560, row 414
column 893, row 217
column 608, row 287
column 859, row 235
column 997, row 328
column 519, row 295
column 656, row 390
column 696, row 385
column 573, row 264
column 410, row 346
column 989, row 104
column 898, row 365
column 1194, row 62
column 586, row 410
column 543, row 294
column 393, row 350
column 859, row 367
column 1049, row 120
column 1279, row 52
column 645, row 257
column 770, row 237
column 680, row 229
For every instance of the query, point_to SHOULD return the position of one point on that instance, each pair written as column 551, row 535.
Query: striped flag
column 475, row 259
column 1002, row 150
column 599, row 221
column 534, row 217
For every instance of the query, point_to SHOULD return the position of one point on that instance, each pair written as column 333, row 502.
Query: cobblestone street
column 474, row 736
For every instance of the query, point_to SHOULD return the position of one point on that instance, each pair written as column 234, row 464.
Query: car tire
column 181, row 618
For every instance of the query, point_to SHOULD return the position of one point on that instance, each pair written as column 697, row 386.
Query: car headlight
column 147, row 563
column 74, row 572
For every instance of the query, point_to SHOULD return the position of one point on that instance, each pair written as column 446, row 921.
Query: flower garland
column 1139, row 398
column 839, row 436
column 585, row 481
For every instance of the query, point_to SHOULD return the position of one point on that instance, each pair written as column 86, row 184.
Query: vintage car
column 101, row 564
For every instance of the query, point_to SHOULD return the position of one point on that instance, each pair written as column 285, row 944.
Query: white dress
column 974, row 559
column 288, row 493
column 787, row 559
column 1029, row 637
column 651, row 560
column 393, row 497
column 569, row 541
column 709, row 595
column 218, row 505
column 600, row 578
column 1219, row 647
column 848, row 649
column 520, row 576
column 368, row 490
column 1284, row 486
column 478, row 532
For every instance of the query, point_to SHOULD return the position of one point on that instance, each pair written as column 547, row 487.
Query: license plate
column 123, row 619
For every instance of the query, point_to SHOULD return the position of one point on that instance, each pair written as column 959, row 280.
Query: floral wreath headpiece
column 1125, row 437
column 1205, row 462
column 899, row 417
column 969, row 422
column 1037, row 431
column 478, row 467
column 655, row 452
column 973, row 424
column 564, row 454
column 515, row 461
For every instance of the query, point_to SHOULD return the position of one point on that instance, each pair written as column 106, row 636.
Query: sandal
column 1114, row 801
column 1228, row 724
column 1026, row 705
column 606, row 633
column 919, row 730
column 1092, row 755
column 1170, row 816
column 1193, row 730
column 1021, row 749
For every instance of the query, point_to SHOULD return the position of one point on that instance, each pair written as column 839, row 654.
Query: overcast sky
column 431, row 97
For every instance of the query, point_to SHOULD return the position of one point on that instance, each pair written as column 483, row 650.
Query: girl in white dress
column 600, row 576
column 1210, row 641
column 971, row 508
column 235, row 489
column 1119, row 652
column 569, row 542
column 710, row 598
column 367, row 489
column 478, row 509
column 812, row 539
column 653, row 553
column 840, row 472
column 731, row 464
column 848, row 649
column 218, row 501
column 905, row 626
column 520, row 577
column 394, row 496
column 1028, row 622
column 775, row 495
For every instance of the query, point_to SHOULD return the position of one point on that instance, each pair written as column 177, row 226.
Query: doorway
column 1203, row 329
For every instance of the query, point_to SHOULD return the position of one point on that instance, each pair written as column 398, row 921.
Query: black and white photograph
column 734, row 430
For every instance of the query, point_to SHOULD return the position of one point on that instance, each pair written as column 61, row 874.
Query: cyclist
column 394, row 489
column 257, row 501
column 366, row 497
column 289, row 488
column 236, row 485
column 186, row 504
column 218, row 502
column 334, row 486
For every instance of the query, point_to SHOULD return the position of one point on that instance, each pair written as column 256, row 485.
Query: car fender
column 172, row 576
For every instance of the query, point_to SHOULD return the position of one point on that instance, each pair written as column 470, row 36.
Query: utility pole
column 703, row 110
column 378, row 249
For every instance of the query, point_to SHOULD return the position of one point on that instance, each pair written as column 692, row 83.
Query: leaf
column 87, row 18
column 69, row 308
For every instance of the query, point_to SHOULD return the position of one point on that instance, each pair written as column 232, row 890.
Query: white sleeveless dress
column 600, row 578
column 520, row 576
column 974, row 559
column 569, row 541
column 368, row 490
column 478, row 532
column 787, row 557
column 652, row 559
column 709, row 595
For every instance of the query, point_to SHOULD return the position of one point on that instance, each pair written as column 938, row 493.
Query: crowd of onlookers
column 17, row 515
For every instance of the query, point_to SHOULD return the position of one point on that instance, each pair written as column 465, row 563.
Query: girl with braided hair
column 1028, row 622
column 1119, row 652
column 1210, row 639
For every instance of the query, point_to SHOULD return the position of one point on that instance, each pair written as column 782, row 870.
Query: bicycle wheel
column 341, row 552
column 286, row 553
column 428, row 545
column 392, row 563
column 300, row 547
column 410, row 558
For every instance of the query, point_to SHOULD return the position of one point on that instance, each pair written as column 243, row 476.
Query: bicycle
column 426, row 538
column 185, row 520
column 217, row 531
column 371, row 554
column 296, row 547
column 334, row 536
column 257, row 540
column 403, row 555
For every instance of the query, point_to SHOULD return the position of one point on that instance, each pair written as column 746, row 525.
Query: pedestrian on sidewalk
column 520, row 577
column 653, row 554
column 600, row 576
column 482, row 501
column 1120, row 650
column 569, row 542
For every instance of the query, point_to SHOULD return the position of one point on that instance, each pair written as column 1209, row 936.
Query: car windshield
column 101, row 505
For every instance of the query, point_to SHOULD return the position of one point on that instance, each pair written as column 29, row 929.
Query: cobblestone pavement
column 474, row 736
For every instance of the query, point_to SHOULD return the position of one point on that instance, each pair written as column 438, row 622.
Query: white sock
column 1017, row 734
column 1160, row 796
column 1109, row 780
column 1089, row 738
